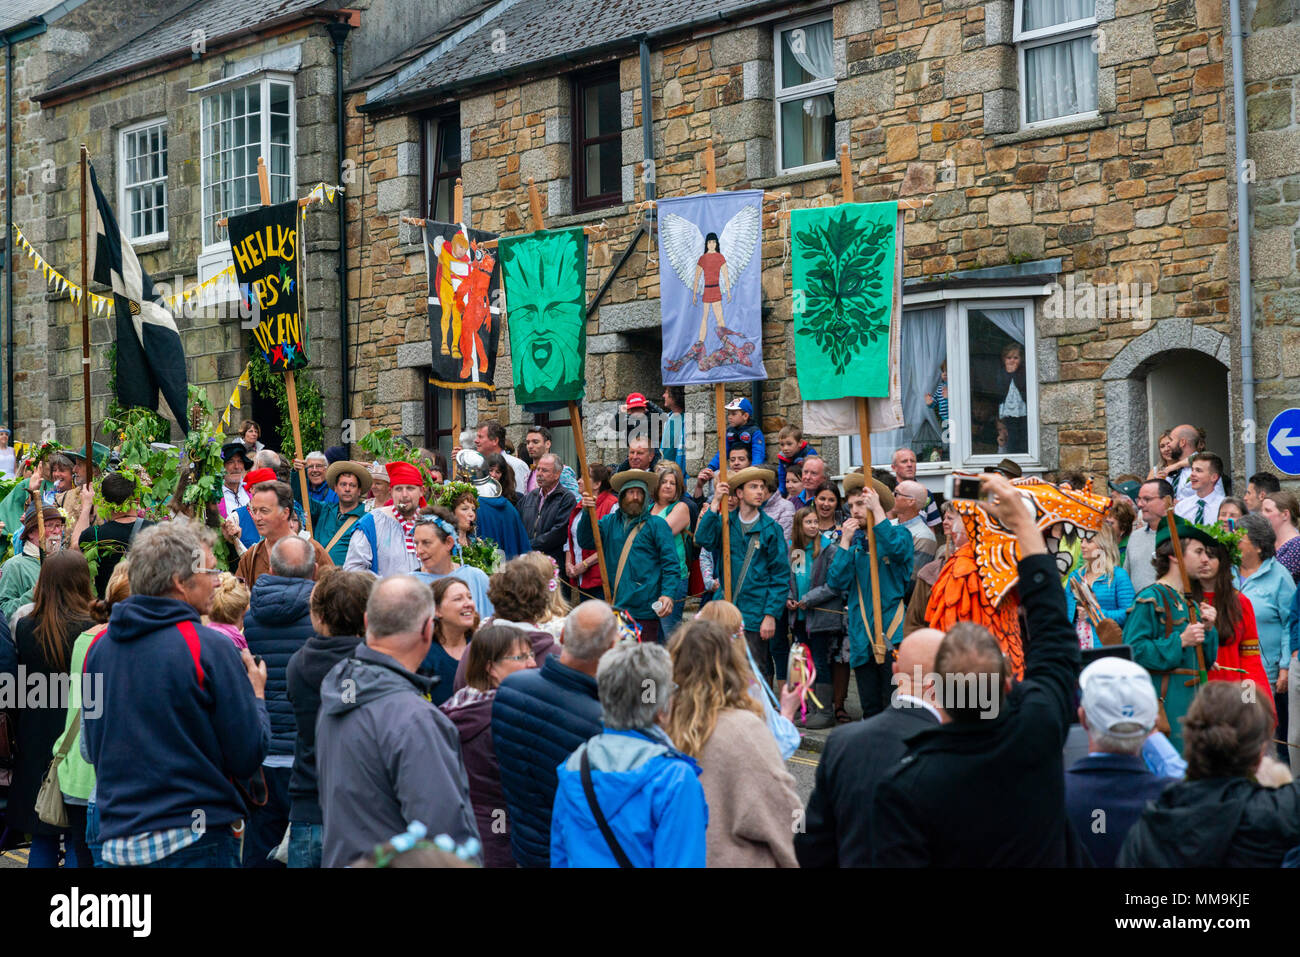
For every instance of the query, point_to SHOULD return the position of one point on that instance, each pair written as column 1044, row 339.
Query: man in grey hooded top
column 386, row 756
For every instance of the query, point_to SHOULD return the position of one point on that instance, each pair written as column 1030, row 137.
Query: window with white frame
column 1057, row 57
column 239, row 124
column 805, row 94
column 969, row 387
column 143, row 180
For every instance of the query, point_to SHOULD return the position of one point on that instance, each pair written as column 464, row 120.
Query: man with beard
column 334, row 524
column 18, row 575
column 383, row 541
column 645, row 569
column 270, row 507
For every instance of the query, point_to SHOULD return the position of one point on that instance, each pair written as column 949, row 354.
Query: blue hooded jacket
column 650, row 795
column 499, row 521
column 278, row 624
column 164, row 744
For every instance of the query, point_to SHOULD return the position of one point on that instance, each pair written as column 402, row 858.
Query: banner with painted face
column 711, row 295
column 464, row 306
column 264, row 241
column 545, row 277
column 842, row 298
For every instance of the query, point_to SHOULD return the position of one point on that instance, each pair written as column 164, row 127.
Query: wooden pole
column 591, row 490
column 719, row 403
column 458, row 203
column 846, row 174
column 535, row 206
column 878, row 639
column 1193, row 612
column 85, row 318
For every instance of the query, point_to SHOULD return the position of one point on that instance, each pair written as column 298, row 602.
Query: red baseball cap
column 258, row 475
column 635, row 401
column 403, row 473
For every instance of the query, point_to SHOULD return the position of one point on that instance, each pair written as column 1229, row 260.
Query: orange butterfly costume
column 977, row 583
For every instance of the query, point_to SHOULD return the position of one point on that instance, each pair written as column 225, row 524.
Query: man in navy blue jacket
column 181, row 714
column 278, row 624
column 1106, row 791
column 539, row 717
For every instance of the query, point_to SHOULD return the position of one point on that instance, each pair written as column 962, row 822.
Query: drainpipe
column 338, row 31
column 647, row 128
column 1243, row 237
column 9, row 218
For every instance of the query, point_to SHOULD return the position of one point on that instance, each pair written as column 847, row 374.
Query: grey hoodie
column 386, row 757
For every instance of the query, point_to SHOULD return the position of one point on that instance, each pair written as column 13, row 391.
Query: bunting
column 234, row 405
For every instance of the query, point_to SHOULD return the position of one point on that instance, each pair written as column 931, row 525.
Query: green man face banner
column 545, row 276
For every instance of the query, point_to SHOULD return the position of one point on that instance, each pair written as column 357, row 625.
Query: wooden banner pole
column 846, row 174
column 85, row 318
column 864, row 432
column 458, row 203
column 591, row 490
column 1193, row 612
column 719, row 403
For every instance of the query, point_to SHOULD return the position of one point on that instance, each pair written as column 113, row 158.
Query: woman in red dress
column 1238, row 658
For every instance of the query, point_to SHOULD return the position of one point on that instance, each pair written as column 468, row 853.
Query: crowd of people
column 509, row 667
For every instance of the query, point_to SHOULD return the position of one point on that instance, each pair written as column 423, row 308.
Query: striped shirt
column 149, row 848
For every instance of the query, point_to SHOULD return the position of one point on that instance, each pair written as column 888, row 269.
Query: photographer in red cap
column 384, row 540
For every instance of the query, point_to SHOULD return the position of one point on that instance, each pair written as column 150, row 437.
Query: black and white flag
column 149, row 352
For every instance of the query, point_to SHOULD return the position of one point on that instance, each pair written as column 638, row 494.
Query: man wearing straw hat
column 850, row 572
column 18, row 575
column 333, row 523
column 760, row 564
column 640, row 554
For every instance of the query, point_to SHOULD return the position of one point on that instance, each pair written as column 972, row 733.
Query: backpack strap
column 191, row 636
column 100, row 634
column 590, row 790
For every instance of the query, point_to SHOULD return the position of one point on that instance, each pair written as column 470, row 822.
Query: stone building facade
column 156, row 68
column 1110, row 230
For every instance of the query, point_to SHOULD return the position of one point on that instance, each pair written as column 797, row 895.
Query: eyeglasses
column 529, row 656
column 212, row 571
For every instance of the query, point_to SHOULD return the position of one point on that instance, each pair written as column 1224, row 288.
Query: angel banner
column 464, row 307
column 842, row 261
column 545, row 275
column 711, row 297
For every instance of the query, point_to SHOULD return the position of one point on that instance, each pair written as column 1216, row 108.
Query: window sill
column 1055, row 129
column 153, row 245
column 821, row 171
column 588, row 216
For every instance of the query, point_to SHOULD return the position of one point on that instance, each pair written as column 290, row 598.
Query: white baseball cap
column 1118, row 698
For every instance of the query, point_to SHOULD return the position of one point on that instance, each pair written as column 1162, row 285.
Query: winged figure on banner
column 710, row 266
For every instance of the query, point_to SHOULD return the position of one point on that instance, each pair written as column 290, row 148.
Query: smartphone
column 963, row 485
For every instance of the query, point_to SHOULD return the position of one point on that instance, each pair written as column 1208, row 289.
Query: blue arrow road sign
column 1284, row 441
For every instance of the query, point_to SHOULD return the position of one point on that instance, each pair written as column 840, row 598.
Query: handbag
column 49, row 800
column 7, row 749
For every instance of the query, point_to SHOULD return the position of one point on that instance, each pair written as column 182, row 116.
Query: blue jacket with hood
column 650, row 795
column 278, row 624
column 385, row 756
column 165, row 744
column 499, row 521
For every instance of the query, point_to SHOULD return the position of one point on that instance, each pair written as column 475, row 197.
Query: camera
column 963, row 485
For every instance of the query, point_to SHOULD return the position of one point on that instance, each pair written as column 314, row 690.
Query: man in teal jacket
column 760, row 563
column 850, row 572
column 645, row 573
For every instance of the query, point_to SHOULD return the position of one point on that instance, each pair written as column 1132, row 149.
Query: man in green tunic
column 1160, row 629
column 18, row 575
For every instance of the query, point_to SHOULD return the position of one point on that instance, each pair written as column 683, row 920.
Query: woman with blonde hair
column 750, row 794
column 229, row 605
column 1099, row 592
column 779, row 715
column 552, row 620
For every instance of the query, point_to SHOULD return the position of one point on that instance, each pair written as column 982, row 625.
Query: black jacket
column 1220, row 822
column 836, row 831
column 307, row 668
column 547, row 526
column 991, row 793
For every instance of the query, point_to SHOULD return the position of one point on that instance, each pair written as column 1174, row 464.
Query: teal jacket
column 652, row 568
column 851, row 570
column 766, row 585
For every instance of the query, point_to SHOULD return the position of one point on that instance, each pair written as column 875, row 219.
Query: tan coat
column 753, row 805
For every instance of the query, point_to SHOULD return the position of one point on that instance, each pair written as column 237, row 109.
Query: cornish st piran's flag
column 149, row 352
